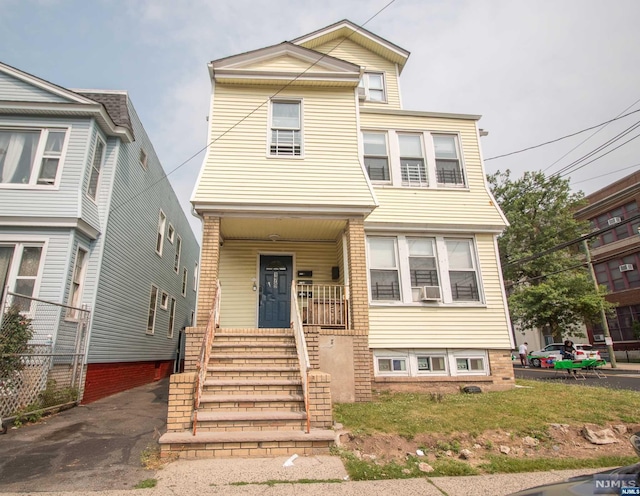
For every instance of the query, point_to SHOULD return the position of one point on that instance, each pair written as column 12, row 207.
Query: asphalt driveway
column 86, row 448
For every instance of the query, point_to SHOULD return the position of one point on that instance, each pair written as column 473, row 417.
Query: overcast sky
column 535, row 70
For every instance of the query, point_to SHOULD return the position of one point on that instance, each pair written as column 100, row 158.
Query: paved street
column 615, row 378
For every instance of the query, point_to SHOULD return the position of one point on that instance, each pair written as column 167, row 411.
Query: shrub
column 15, row 334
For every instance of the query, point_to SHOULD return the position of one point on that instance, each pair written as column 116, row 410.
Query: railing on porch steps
column 325, row 305
column 205, row 351
column 301, row 348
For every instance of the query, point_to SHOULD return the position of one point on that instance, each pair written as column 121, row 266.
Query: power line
column 566, row 244
column 607, row 174
column 589, row 137
column 530, row 279
column 561, row 138
column 167, row 174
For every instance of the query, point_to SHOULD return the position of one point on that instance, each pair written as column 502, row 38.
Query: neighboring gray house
column 87, row 217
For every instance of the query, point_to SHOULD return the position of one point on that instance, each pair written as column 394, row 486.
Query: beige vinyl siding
column 239, row 264
column 286, row 63
column 454, row 326
column 239, row 171
column 350, row 51
column 435, row 205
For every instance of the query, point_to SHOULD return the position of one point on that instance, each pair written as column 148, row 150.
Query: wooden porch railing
column 205, row 353
column 326, row 305
column 301, row 347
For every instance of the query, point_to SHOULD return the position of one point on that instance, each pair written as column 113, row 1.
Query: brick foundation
column 320, row 408
column 181, row 394
column 105, row 379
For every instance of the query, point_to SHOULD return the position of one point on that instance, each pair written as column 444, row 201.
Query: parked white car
column 583, row 352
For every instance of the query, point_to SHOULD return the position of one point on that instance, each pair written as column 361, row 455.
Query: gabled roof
column 254, row 66
column 367, row 39
column 72, row 103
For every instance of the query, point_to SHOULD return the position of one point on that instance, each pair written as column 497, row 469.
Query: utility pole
column 603, row 315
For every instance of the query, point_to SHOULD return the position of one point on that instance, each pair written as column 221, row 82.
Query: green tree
column 553, row 290
column 15, row 333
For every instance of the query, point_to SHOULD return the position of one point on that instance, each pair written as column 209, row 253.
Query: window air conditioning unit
column 614, row 220
column 625, row 267
column 598, row 337
column 430, row 293
column 361, row 94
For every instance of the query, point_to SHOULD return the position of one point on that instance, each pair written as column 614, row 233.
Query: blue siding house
column 88, row 218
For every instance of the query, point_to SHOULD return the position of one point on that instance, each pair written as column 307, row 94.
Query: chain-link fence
column 42, row 354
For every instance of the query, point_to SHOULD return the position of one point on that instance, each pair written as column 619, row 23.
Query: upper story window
column 96, row 168
column 619, row 274
column 153, row 303
column 176, row 261
column 171, row 233
column 77, row 280
column 286, row 129
column 30, row 156
column 162, row 221
column 448, row 170
column 376, row 158
column 143, row 159
column 423, row 269
column 413, row 170
column 612, row 218
column 372, row 84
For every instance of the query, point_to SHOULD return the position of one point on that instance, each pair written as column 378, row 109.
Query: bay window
column 20, row 265
column 77, row 280
column 96, row 168
column 30, row 156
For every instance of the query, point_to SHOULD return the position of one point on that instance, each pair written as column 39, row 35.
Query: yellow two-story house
column 366, row 228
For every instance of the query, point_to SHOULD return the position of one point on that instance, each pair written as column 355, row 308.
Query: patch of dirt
column 558, row 441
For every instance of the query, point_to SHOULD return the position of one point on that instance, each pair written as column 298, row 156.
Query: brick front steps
column 252, row 402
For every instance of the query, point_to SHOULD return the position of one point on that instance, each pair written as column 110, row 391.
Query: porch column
column 208, row 268
column 359, row 297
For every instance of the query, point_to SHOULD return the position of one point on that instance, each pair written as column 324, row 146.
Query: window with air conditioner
column 30, row 157
column 423, row 269
column 286, row 129
column 614, row 220
column 625, row 267
column 372, row 87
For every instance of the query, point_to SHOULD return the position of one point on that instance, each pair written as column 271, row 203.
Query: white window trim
column 411, row 359
column 365, row 85
column 388, row 156
column 463, row 169
column 162, row 225
column 185, row 277
column 143, row 159
column 195, row 276
column 269, row 123
column 176, row 260
column 172, row 318
column 171, row 233
column 442, row 262
column 164, row 297
column 152, row 331
column 25, row 241
column 39, row 155
column 91, row 168
column 73, row 314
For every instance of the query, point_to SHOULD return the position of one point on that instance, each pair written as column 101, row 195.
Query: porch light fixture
column 274, row 237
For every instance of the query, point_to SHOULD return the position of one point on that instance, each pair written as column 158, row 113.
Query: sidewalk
column 250, row 476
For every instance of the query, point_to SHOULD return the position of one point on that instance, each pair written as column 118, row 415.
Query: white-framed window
column 96, row 169
column 430, row 362
column 185, row 275
column 448, row 165
column 31, row 156
column 372, row 83
column 143, row 159
column 383, row 269
column 195, row 277
column 172, row 318
column 423, row 270
column 376, row 157
column 193, row 318
column 20, row 270
column 463, row 276
column 153, row 302
column 77, row 282
column 171, row 233
column 412, row 167
column 176, row 260
column 285, row 128
column 164, row 300
column 162, row 222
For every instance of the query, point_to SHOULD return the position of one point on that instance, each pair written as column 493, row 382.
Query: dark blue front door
column 275, row 291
